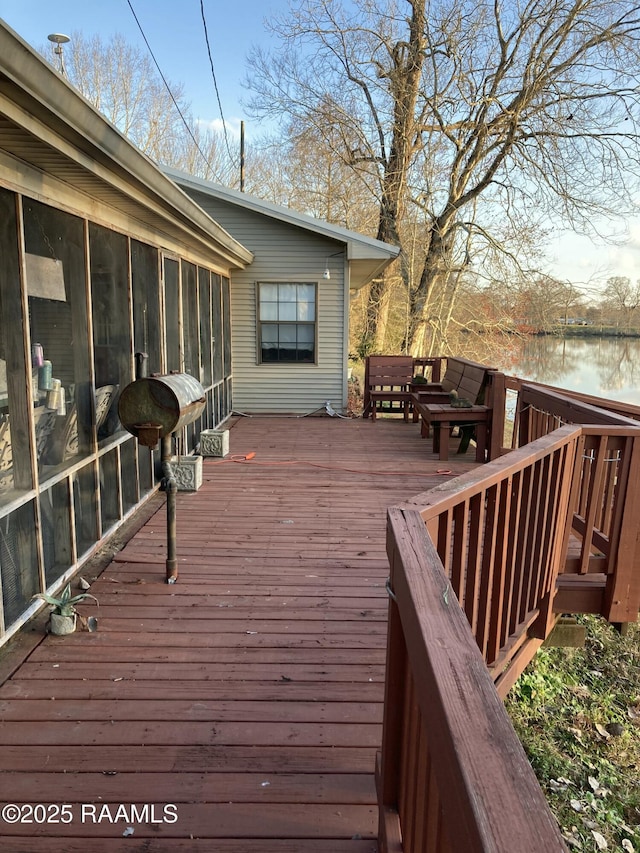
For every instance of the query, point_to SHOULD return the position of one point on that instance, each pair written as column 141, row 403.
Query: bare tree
column 341, row 88
column 302, row 172
column 484, row 113
column 122, row 82
column 622, row 297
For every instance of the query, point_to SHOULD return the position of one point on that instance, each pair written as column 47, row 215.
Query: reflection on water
column 602, row 367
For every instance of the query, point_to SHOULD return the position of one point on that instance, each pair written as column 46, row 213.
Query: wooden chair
column 387, row 379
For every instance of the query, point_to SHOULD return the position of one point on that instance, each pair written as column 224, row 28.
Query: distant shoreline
column 589, row 332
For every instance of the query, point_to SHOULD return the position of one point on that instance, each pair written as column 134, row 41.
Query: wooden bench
column 467, row 379
column 432, row 403
column 387, row 379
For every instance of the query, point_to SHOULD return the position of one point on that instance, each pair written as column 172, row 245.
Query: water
column 602, row 367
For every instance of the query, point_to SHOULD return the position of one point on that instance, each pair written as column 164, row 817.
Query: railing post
column 367, row 398
column 388, row 764
column 497, row 401
column 559, row 538
column 622, row 593
column 522, row 422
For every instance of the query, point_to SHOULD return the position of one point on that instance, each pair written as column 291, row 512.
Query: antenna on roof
column 59, row 39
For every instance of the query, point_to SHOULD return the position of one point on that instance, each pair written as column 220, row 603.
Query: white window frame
column 262, row 321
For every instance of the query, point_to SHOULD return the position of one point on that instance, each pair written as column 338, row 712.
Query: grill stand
column 171, row 488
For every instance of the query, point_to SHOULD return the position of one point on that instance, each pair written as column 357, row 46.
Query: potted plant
column 63, row 615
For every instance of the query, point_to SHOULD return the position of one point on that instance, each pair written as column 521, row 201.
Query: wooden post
column 388, row 769
column 497, row 401
column 622, row 593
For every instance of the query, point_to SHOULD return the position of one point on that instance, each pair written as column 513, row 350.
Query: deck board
column 250, row 693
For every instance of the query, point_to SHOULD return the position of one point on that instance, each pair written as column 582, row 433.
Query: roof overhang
column 367, row 257
column 46, row 123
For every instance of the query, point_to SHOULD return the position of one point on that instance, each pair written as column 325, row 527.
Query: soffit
column 43, row 140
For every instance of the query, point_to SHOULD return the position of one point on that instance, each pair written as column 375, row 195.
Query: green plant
column 65, row 604
column 577, row 713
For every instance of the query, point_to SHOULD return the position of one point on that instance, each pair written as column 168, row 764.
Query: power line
column 184, row 121
column 215, row 82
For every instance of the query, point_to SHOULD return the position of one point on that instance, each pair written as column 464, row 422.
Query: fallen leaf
column 581, row 690
column 576, row 805
column 593, row 782
column 627, row 846
column 600, row 840
column 602, row 731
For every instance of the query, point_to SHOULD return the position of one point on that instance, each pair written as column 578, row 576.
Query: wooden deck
column 249, row 695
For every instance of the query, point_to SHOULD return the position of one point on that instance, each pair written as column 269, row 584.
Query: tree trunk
column 437, row 265
column 377, row 316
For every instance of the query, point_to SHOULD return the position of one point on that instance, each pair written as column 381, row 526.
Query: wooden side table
column 443, row 417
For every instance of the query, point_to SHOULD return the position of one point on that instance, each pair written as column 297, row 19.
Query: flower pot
column 61, row 625
column 187, row 471
column 214, row 442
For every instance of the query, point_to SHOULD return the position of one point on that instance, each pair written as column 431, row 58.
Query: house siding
column 283, row 253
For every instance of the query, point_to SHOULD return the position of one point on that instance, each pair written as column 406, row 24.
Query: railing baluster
column 424, row 793
column 474, row 559
column 488, row 566
column 501, row 573
column 445, row 527
column 511, row 558
column 433, row 813
column 531, row 535
column 521, row 540
column 407, row 757
column 459, row 547
column 551, row 521
column 593, row 496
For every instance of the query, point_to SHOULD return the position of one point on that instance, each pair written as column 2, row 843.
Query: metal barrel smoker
column 153, row 408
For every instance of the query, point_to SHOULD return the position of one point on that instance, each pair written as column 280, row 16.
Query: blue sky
column 175, row 33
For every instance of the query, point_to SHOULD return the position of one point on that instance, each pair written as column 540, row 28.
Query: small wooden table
column 444, row 416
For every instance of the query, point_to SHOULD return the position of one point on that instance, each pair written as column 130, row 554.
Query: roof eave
column 358, row 246
column 37, row 84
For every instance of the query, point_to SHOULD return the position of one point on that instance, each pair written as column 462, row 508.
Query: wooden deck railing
column 480, row 569
column 602, row 554
column 452, row 774
column 500, row 533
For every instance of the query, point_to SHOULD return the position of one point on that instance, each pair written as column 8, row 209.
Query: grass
column 577, row 713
